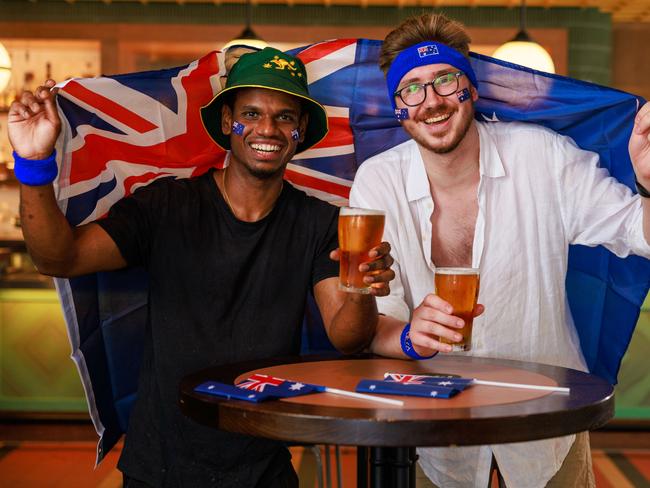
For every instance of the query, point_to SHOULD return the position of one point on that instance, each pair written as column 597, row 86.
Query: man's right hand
column 34, row 123
column 432, row 319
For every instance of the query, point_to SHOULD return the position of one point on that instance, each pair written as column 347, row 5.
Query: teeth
column 438, row 118
column 265, row 147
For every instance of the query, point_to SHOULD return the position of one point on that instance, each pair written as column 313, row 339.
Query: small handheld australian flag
column 444, row 381
column 257, row 388
column 412, row 389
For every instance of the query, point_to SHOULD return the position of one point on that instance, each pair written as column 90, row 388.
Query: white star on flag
column 494, row 117
column 445, row 383
column 372, row 387
column 296, row 386
column 434, row 393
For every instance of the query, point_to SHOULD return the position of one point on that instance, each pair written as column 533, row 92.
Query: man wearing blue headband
column 507, row 198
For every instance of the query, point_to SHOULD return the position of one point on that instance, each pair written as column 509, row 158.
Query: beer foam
column 457, row 271
column 360, row 211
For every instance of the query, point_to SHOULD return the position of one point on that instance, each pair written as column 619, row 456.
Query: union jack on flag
column 122, row 132
column 258, row 382
column 408, row 379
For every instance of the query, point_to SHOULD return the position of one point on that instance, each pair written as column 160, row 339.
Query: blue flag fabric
column 258, row 388
column 402, row 389
column 114, row 142
column 230, row 392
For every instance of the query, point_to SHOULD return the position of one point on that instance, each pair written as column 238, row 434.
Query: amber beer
column 459, row 287
column 359, row 231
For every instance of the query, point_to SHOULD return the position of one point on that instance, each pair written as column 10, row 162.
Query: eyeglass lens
column 444, row 85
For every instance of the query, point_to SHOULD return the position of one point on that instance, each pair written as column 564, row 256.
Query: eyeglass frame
column 431, row 83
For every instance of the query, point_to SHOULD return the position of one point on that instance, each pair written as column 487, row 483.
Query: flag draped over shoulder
column 122, row 132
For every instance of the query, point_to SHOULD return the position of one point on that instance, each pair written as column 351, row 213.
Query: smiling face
column 269, row 117
column 439, row 124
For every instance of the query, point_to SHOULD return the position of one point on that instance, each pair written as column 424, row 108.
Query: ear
column 302, row 125
column 474, row 92
column 226, row 120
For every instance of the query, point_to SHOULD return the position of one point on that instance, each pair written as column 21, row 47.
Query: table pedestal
column 386, row 467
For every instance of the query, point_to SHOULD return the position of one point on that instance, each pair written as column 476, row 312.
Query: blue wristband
column 407, row 346
column 35, row 172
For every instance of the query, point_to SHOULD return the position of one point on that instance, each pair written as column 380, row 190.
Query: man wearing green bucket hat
column 231, row 257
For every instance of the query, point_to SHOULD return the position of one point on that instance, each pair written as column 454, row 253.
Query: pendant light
column 523, row 50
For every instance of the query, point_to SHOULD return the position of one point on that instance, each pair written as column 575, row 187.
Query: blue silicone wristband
column 407, row 346
column 35, row 172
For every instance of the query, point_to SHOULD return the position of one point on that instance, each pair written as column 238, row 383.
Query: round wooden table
column 478, row 415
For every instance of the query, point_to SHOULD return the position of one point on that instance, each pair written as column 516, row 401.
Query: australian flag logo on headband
column 429, row 50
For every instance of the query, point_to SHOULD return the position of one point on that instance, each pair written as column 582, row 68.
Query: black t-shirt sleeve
column 324, row 267
column 132, row 222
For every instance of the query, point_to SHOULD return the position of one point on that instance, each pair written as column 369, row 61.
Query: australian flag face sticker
column 463, row 95
column 429, row 50
column 237, row 128
column 402, row 113
column 295, row 134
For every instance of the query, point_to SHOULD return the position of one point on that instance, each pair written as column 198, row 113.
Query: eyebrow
column 255, row 108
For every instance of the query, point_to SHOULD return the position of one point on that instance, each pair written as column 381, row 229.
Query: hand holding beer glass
column 360, row 230
column 459, row 287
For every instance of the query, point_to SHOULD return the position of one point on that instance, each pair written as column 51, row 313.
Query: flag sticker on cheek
column 463, row 95
column 402, row 113
column 238, row 128
column 295, row 134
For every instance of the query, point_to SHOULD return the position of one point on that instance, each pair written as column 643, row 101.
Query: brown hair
column 426, row 27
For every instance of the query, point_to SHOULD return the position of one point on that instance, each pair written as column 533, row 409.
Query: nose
column 432, row 98
column 266, row 126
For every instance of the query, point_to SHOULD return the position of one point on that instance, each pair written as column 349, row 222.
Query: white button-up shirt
column 538, row 193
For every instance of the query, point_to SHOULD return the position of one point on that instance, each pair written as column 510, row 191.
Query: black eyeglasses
column 414, row 94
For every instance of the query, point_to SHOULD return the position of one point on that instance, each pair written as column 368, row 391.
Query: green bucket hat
column 273, row 70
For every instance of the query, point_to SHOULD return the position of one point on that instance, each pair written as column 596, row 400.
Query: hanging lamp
column 523, row 50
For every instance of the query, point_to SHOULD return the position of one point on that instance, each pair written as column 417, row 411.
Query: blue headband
column 424, row 54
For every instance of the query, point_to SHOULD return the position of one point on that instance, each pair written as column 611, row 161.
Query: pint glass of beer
column 359, row 231
column 459, row 287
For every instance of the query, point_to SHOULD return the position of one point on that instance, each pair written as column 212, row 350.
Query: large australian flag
column 122, row 132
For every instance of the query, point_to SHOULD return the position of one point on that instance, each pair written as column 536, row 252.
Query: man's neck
column 250, row 198
column 457, row 168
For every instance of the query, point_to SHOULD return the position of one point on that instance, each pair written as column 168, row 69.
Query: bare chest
column 452, row 233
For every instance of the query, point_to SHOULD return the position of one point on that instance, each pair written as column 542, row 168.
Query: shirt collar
column 417, row 181
column 490, row 165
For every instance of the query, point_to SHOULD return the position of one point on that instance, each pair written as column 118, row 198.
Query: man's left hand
column 378, row 272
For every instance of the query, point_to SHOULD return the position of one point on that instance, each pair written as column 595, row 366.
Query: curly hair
column 426, row 27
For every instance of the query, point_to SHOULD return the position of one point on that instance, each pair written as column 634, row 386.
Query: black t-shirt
column 220, row 291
